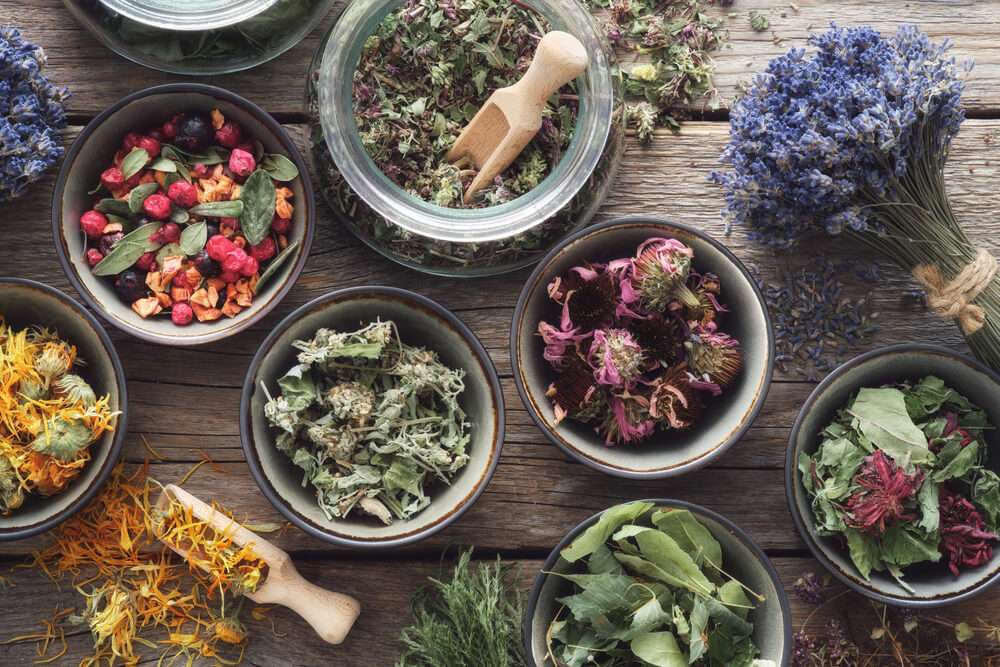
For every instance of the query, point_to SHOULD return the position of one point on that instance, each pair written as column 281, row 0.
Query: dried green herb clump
column 371, row 421
column 470, row 620
column 424, row 73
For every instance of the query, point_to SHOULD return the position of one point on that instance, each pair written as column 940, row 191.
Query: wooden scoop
column 512, row 116
column 330, row 614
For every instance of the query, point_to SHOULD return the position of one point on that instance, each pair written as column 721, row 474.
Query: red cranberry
column 94, row 257
column 181, row 314
column 234, row 260
column 250, row 267
column 131, row 140
column 229, row 135
column 150, row 145
column 199, row 170
column 146, row 261
column 171, row 232
column 157, row 206
column 183, row 194
column 180, row 280
column 93, row 223
column 113, row 179
column 108, row 242
column 281, row 225
column 169, row 129
column 264, row 250
column 134, row 180
column 218, row 247
column 229, row 276
column 241, row 163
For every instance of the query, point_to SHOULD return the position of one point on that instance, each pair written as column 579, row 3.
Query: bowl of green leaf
column 891, row 475
column 658, row 582
column 372, row 417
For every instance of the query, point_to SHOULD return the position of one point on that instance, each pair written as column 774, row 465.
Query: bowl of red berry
column 183, row 214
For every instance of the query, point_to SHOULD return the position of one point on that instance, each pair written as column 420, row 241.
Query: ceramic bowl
column 743, row 559
column 933, row 584
column 92, row 152
column 666, row 453
column 420, row 322
column 25, row 303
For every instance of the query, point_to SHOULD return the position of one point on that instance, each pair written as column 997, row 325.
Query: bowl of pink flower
column 183, row 213
column 642, row 348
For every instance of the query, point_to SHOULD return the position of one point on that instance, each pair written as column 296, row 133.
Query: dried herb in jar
column 423, row 74
column 372, row 421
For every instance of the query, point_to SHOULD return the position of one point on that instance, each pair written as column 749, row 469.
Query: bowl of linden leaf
column 372, row 417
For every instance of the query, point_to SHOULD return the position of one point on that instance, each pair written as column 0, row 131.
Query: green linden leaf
column 699, row 630
column 659, row 649
column 734, row 597
column 963, row 459
column 902, row 548
column 930, row 510
column 663, row 559
column 882, row 418
column 593, row 537
column 864, row 552
column 690, row 534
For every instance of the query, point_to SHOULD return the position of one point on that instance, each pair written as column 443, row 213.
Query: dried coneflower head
column 592, row 304
column 964, row 537
column 886, row 494
column 628, row 420
column 714, row 355
column 660, row 337
column 659, row 273
column 674, row 399
column 617, row 359
column 573, row 387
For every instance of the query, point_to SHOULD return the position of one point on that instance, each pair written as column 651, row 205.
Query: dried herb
column 816, row 323
column 668, row 44
column 899, row 475
column 424, row 73
column 49, row 416
column 134, row 162
column 129, row 249
column 653, row 590
column 193, row 238
column 218, row 209
column 371, row 421
column 759, row 21
column 279, row 167
column 472, row 619
column 638, row 346
column 258, row 197
column 114, row 207
column 290, row 250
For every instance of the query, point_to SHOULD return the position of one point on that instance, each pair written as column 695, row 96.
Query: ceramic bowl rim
column 121, row 427
column 410, row 299
column 791, row 477
column 532, row 284
column 239, row 323
column 694, row 508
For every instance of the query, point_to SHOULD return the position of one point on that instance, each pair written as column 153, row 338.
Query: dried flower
column 885, row 490
column 660, row 271
column 714, row 355
column 810, row 589
column 616, row 358
column 32, row 111
column 964, row 537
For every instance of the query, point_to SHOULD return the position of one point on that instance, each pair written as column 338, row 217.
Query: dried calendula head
column 11, row 487
column 75, row 390
column 63, row 437
column 48, row 475
column 32, row 388
column 54, row 359
column 229, row 630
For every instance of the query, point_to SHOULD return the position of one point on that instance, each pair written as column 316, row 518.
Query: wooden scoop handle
column 330, row 614
column 559, row 58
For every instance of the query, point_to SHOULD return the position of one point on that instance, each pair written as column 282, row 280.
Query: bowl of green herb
column 659, row 582
column 372, row 417
column 642, row 347
column 891, row 475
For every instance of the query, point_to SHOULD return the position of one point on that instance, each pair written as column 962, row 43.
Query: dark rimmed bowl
column 420, row 321
column 92, row 152
column 726, row 417
column 934, row 585
column 25, row 303
column 744, row 560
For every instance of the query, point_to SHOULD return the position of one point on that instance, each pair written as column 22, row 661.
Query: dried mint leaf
column 129, row 249
column 218, row 209
column 257, row 195
column 133, row 163
column 138, row 195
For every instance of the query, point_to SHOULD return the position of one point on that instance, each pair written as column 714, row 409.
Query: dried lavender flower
column 32, row 111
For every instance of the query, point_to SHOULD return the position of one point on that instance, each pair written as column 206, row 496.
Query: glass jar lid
column 188, row 15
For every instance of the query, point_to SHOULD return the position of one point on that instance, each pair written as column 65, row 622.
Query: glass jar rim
column 385, row 198
column 189, row 16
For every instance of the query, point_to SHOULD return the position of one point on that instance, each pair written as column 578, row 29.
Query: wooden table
column 185, row 401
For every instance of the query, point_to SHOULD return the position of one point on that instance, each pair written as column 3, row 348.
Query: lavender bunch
column 852, row 139
column 31, row 114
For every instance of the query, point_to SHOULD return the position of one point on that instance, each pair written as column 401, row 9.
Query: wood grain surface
column 185, row 401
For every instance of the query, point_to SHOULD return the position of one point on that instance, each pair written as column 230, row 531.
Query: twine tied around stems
column 953, row 300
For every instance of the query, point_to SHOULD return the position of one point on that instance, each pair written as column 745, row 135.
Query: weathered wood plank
column 98, row 77
column 384, row 589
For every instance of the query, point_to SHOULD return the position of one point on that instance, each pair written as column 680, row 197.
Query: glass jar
column 453, row 241
column 244, row 33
